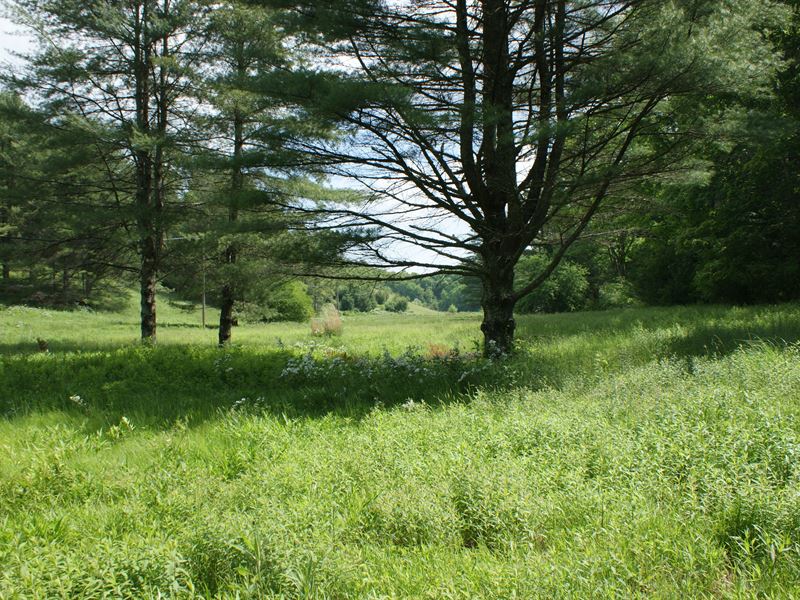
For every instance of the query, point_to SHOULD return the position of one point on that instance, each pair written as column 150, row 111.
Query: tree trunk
column 148, row 246
column 147, row 288
column 237, row 183
column 6, row 271
column 65, row 287
column 226, row 314
column 498, row 303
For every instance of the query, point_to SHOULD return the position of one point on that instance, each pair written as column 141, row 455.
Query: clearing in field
column 644, row 452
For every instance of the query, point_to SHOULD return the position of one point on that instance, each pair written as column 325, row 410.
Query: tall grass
column 647, row 452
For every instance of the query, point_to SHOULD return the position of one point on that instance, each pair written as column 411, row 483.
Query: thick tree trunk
column 498, row 303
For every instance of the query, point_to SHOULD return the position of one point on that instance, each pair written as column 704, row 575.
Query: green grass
column 646, row 452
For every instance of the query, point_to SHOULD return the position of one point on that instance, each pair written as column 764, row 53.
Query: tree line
column 535, row 154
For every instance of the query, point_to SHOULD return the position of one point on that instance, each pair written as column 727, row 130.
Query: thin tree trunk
column 226, row 314
column 5, row 241
column 226, row 318
column 147, row 288
column 148, row 240
column 65, row 286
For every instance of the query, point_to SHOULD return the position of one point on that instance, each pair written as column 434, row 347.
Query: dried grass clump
column 328, row 322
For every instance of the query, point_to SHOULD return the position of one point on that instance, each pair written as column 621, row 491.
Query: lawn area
column 628, row 453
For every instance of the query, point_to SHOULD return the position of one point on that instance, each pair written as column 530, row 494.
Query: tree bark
column 147, row 287
column 148, row 238
column 498, row 302
column 65, row 287
column 5, row 241
column 226, row 318
column 226, row 314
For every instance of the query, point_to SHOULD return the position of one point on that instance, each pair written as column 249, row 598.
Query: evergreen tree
column 118, row 70
column 63, row 237
column 487, row 128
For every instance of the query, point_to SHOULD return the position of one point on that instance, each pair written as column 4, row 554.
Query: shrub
column 439, row 351
column 288, row 302
column 397, row 305
column 564, row 291
column 617, row 294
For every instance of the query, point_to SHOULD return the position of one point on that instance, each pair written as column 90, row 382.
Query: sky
column 12, row 38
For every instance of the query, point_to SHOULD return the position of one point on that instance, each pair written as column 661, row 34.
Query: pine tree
column 489, row 127
column 251, row 168
column 116, row 72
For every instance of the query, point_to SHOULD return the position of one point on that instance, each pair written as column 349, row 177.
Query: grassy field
column 644, row 452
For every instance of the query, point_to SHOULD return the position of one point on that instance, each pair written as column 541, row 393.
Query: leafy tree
column 734, row 237
column 356, row 296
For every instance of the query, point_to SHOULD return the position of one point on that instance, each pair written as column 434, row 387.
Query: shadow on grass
column 126, row 340
column 721, row 339
column 725, row 321
column 162, row 385
column 582, row 347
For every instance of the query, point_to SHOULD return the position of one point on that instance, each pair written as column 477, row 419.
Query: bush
column 397, row 305
column 564, row 291
column 617, row 294
column 292, row 302
column 381, row 296
column 288, row 302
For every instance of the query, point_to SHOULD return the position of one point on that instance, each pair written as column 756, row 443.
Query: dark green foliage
column 285, row 302
column 564, row 291
column 416, row 289
column 734, row 238
column 62, row 241
column 733, row 241
column 356, row 296
column 398, row 305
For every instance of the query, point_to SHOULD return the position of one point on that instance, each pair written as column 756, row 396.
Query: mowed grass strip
column 647, row 452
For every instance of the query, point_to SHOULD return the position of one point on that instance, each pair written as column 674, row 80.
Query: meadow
column 627, row 453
